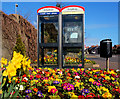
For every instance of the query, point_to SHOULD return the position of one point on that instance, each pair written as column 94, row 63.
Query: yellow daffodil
column 3, row 62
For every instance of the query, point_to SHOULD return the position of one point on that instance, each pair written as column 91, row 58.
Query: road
column 114, row 61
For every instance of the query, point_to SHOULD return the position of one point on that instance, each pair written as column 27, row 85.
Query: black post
column 42, row 41
column 38, row 40
column 83, row 42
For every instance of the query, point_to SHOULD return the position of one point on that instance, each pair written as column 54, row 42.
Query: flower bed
column 57, row 83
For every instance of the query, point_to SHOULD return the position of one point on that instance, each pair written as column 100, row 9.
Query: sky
column 101, row 18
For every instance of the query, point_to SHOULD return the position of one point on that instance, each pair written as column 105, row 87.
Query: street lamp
column 16, row 5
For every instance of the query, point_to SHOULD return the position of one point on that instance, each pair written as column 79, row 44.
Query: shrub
column 19, row 47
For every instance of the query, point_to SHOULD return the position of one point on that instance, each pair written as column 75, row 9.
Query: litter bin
column 106, row 48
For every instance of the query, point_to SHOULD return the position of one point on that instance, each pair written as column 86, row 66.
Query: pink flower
column 53, row 90
column 64, row 87
column 69, row 88
column 80, row 65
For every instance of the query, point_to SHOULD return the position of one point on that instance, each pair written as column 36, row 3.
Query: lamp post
column 16, row 5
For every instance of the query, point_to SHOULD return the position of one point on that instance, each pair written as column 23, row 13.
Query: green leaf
column 10, row 89
column 15, row 94
column 19, row 95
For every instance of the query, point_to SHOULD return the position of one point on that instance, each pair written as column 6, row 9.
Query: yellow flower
column 55, row 50
column 113, row 78
column 104, row 89
column 107, row 77
column 107, row 95
column 74, row 97
column 45, row 80
column 82, row 69
column 77, row 84
column 91, row 80
column 71, row 93
column 102, row 74
column 117, row 83
column 59, row 80
column 11, row 72
column 5, row 73
column 50, row 87
column 36, row 81
column 34, row 73
column 3, row 62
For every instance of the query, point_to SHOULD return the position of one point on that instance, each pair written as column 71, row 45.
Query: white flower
column 117, row 70
column 60, row 72
column 77, row 77
column 89, row 68
column 25, row 78
column 43, row 72
column 17, row 86
column 21, row 87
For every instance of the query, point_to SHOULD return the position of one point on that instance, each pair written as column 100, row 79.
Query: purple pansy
column 56, row 82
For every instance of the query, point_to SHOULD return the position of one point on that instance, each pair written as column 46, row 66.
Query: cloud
column 98, row 26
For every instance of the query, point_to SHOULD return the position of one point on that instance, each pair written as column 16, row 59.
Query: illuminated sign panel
column 73, row 10
column 49, row 10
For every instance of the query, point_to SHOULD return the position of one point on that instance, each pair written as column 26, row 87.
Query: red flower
column 12, row 93
column 111, row 84
column 81, row 97
column 35, row 89
column 95, row 75
column 104, row 81
column 88, row 72
column 46, row 84
column 38, row 76
column 101, row 71
column 92, row 94
column 24, row 75
column 113, row 75
column 24, row 80
column 69, row 74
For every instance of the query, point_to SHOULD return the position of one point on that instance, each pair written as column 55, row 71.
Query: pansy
column 77, row 77
column 54, row 90
column 35, row 89
column 28, row 91
column 27, row 97
column 21, row 87
column 83, row 94
column 68, row 88
column 39, row 93
column 86, row 91
column 25, row 78
column 56, row 82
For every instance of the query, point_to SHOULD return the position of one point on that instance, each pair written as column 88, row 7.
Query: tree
column 19, row 47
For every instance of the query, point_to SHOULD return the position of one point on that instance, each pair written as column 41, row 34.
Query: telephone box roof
column 59, row 9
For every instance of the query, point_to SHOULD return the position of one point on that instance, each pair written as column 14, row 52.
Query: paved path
column 114, row 61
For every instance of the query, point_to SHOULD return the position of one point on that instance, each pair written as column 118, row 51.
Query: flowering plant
column 57, row 83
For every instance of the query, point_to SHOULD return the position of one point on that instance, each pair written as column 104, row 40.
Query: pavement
column 114, row 61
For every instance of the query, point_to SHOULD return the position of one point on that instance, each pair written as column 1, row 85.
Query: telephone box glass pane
column 50, row 57
column 72, row 57
column 49, row 29
column 72, row 28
